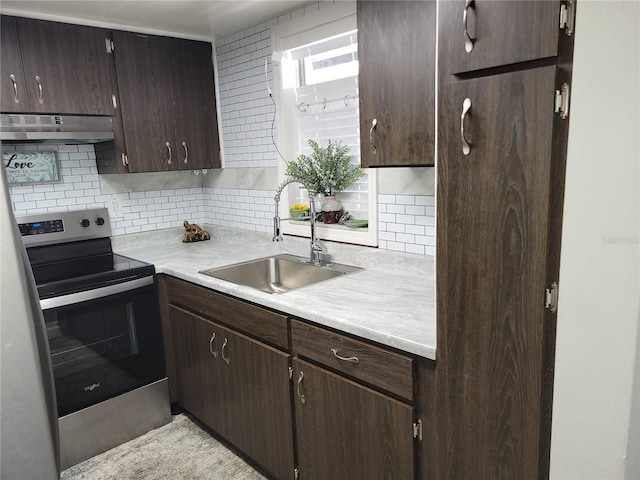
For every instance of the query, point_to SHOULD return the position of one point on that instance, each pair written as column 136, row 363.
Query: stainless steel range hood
column 36, row 128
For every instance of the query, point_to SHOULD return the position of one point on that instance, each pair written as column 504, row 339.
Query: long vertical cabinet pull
column 40, row 100
column 15, row 88
column 374, row 124
column 168, row 145
column 468, row 41
column 466, row 106
column 186, row 151
column 300, row 395
column 211, row 340
column 224, row 346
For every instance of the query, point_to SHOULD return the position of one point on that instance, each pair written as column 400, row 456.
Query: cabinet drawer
column 264, row 324
column 388, row 370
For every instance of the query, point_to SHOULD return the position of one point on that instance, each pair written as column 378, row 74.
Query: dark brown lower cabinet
column 237, row 386
column 199, row 369
column 347, row 431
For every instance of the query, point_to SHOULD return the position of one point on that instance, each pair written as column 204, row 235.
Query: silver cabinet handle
column 211, row 340
column 224, row 345
column 114, row 101
column 168, row 145
column 125, row 160
column 468, row 41
column 186, row 151
column 300, row 395
column 466, row 106
column 15, row 88
column 39, row 89
column 344, row 359
column 374, row 124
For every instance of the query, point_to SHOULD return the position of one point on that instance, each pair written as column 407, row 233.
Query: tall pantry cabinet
column 504, row 81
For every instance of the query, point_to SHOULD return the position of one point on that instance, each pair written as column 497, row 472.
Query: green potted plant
column 326, row 171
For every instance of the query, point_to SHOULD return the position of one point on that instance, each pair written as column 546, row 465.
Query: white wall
column 594, row 417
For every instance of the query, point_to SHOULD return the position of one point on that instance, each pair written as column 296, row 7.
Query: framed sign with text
column 31, row 167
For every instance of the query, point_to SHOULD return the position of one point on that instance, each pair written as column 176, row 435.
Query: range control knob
column 85, row 223
column 99, row 221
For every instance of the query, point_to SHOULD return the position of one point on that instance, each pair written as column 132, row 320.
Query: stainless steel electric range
column 102, row 317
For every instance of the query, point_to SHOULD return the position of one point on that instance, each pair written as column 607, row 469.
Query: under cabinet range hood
column 36, row 128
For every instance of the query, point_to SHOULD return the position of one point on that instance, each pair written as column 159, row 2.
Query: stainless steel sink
column 279, row 273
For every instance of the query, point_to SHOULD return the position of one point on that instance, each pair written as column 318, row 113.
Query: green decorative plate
column 357, row 223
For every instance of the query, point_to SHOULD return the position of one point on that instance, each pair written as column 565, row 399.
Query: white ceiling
column 200, row 19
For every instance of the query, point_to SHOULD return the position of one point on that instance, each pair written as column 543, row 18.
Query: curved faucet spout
column 316, row 247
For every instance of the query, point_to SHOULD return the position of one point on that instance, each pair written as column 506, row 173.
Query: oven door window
column 104, row 347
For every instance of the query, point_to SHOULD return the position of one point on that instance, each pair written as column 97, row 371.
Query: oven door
column 104, row 342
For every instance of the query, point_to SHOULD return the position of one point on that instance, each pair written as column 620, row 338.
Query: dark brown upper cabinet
column 56, row 68
column 481, row 34
column 396, row 52
column 167, row 99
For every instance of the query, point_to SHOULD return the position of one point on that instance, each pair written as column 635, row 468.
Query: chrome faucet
column 316, row 247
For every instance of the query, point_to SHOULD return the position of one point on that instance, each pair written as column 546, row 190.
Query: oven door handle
column 94, row 294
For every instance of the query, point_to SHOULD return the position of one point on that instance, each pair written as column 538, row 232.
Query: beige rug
column 179, row 450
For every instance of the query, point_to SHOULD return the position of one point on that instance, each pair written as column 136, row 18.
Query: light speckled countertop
column 390, row 302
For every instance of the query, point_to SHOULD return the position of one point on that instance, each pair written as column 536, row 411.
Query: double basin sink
column 279, row 273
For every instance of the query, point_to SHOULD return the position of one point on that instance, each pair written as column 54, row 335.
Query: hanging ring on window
column 303, row 107
column 346, row 97
column 324, row 103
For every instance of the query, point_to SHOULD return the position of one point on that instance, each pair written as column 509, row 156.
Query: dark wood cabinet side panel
column 13, row 99
column 492, row 224
column 267, row 325
column 505, row 32
column 167, row 339
column 427, row 450
column 345, row 430
column 145, row 101
column 398, row 90
column 73, row 66
column 388, row 370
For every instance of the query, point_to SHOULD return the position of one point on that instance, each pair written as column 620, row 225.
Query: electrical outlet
column 115, row 207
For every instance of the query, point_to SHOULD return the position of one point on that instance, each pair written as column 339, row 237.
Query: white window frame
column 284, row 37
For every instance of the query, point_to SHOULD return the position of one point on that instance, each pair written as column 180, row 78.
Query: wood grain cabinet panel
column 167, row 102
column 199, row 369
column 387, row 370
column 67, row 68
column 264, row 324
column 493, row 243
column 237, row 386
column 503, row 33
column 396, row 53
column 345, row 430
column 13, row 88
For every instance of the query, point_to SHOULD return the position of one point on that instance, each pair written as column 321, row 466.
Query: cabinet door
column 67, row 67
column 345, row 430
column 258, row 395
column 199, row 367
column 194, row 104
column 12, row 86
column 493, row 216
column 143, row 73
column 397, row 91
column 503, row 32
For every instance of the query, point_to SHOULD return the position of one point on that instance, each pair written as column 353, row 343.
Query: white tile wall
column 246, row 209
column 80, row 189
column 247, row 110
column 407, row 223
